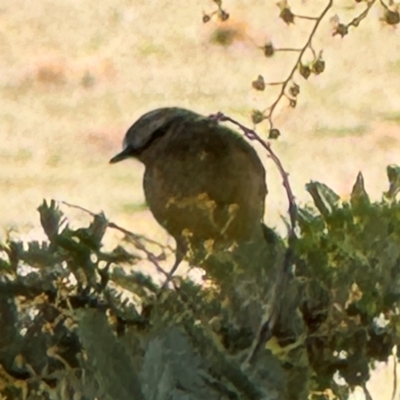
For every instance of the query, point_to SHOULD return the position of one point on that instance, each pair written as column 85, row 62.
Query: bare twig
column 342, row 29
column 382, row 4
column 284, row 275
column 117, row 227
column 275, row 83
column 252, row 135
column 287, row 49
column 317, row 20
column 140, row 246
column 305, row 17
column 136, row 239
column 355, row 21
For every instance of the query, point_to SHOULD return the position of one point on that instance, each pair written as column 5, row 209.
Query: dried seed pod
column 305, row 71
column 206, row 18
column 257, row 116
column 391, row 17
column 287, row 16
column 294, row 90
column 269, row 50
column 223, row 15
column 341, row 30
column 273, row 133
column 259, row 83
column 318, row 66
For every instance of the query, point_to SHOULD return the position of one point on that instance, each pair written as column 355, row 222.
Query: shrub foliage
column 80, row 322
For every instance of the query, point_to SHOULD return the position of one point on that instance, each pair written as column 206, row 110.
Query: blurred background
column 75, row 75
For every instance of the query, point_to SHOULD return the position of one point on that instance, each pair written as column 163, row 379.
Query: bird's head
column 147, row 129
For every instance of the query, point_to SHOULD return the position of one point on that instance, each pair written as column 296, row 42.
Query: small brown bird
column 203, row 182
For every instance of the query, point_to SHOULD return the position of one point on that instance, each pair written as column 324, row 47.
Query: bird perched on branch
column 203, row 182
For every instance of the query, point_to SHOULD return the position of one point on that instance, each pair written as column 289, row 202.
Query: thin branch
column 284, row 276
column 252, row 135
column 115, row 226
column 136, row 239
column 274, row 83
column 140, row 246
column 287, row 49
column 312, row 50
column 306, row 17
column 355, row 21
column 383, row 4
column 298, row 62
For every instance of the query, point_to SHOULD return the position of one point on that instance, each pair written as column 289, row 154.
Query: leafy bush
column 79, row 322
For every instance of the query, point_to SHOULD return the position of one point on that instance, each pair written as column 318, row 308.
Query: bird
column 203, row 182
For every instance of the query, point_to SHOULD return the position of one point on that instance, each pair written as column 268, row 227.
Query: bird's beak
column 123, row 155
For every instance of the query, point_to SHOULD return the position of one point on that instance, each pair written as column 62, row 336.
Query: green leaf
column 359, row 197
column 51, row 218
column 325, row 199
column 305, row 216
column 39, row 255
column 4, row 266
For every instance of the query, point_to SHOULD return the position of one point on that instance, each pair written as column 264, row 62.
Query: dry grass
column 74, row 76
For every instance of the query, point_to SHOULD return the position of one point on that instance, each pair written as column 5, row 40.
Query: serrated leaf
column 39, row 255
column 51, row 218
column 93, row 234
column 325, row 199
